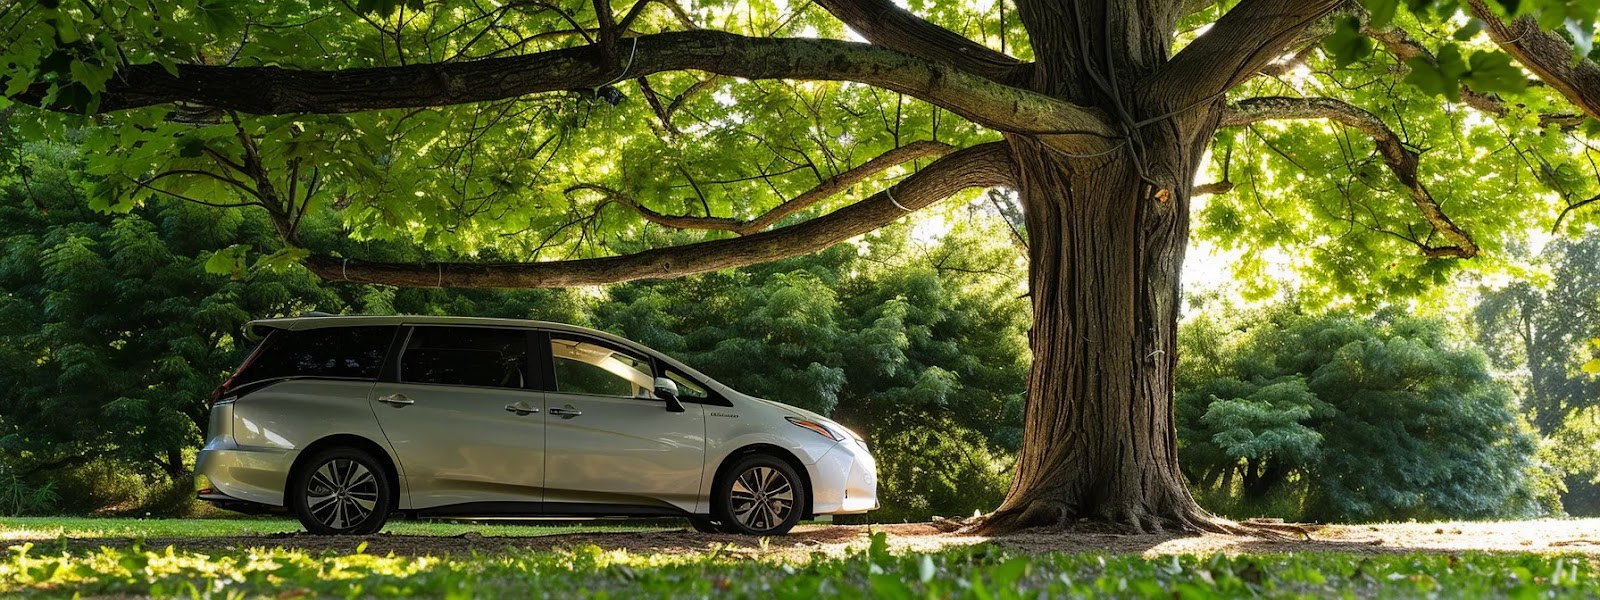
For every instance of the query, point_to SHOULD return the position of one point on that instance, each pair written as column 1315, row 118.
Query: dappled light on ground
column 416, row 539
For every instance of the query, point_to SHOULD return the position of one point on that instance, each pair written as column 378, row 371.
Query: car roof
column 257, row 329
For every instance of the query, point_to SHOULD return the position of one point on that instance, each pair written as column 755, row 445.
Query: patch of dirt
column 1549, row 536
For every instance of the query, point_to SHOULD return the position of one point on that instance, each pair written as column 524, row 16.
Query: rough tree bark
column 1107, row 236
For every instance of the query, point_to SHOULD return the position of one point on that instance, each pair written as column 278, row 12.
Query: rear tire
column 762, row 495
column 342, row 491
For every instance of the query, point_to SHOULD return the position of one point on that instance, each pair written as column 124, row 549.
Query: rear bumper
column 845, row 481
column 248, row 475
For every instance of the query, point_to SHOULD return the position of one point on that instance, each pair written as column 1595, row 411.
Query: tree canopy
column 1376, row 136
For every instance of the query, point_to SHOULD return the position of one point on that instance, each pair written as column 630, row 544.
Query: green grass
column 35, row 528
column 971, row 572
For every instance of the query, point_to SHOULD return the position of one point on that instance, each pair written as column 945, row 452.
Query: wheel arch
column 778, row 452
column 345, row 440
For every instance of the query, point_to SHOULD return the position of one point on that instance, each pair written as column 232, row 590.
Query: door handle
column 566, row 413
column 396, row 400
column 521, row 409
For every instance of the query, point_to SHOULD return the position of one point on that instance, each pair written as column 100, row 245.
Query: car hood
column 794, row 410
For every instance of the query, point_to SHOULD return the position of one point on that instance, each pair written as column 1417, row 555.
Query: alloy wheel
column 762, row 498
column 342, row 493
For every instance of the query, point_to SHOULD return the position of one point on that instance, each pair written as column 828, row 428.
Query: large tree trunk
column 1107, row 234
column 1106, row 247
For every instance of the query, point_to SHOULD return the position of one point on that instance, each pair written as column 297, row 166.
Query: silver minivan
column 347, row 420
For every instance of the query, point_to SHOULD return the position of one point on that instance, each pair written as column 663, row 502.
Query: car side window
column 332, row 352
column 584, row 367
column 688, row 389
column 476, row 356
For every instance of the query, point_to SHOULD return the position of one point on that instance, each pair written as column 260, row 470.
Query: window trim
column 531, row 381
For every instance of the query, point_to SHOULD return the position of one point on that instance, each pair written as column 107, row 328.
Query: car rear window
column 475, row 356
column 336, row 352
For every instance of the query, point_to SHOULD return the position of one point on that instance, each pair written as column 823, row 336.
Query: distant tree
column 1545, row 333
column 1540, row 335
column 1365, row 418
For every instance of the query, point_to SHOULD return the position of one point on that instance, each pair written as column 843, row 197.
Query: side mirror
column 667, row 389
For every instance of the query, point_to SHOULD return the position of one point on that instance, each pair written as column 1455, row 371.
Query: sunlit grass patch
column 39, row 528
column 971, row 572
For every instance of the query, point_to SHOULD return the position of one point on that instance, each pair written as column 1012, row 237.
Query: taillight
column 222, row 390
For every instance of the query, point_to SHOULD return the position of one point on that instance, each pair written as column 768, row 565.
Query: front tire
column 342, row 491
column 762, row 495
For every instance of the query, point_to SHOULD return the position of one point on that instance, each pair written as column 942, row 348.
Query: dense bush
column 112, row 332
column 1345, row 417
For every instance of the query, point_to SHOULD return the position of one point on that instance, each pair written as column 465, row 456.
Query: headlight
column 827, row 430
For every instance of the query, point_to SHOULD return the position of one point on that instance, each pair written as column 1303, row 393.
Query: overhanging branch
column 823, row 190
column 984, row 165
column 1402, row 161
column 1239, row 45
column 274, row 90
column 1547, row 55
column 829, row 188
column 886, row 24
column 1399, row 43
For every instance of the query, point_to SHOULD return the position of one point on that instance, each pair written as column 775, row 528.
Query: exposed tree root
column 1054, row 516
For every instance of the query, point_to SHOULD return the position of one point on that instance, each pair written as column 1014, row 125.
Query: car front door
column 609, row 442
column 464, row 413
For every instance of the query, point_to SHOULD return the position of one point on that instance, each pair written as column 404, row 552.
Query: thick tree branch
column 674, row 221
column 843, row 181
column 1399, row 43
column 824, row 190
column 273, row 90
column 884, row 23
column 1402, row 161
column 985, row 165
column 1238, row 46
column 1547, row 55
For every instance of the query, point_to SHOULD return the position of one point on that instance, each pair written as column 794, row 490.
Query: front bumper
column 845, row 481
column 232, row 473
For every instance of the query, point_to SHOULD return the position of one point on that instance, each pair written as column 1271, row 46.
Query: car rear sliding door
column 461, row 408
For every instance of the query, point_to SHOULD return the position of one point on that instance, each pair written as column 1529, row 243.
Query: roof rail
column 315, row 313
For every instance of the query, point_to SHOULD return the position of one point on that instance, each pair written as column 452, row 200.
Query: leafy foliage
column 981, row 571
column 1370, row 418
column 1540, row 336
column 112, row 333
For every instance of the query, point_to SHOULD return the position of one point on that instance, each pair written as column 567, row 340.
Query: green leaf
column 1346, row 44
column 1493, row 71
column 1441, row 78
column 93, row 78
column 1466, row 32
column 228, row 261
column 283, row 259
column 1382, row 12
